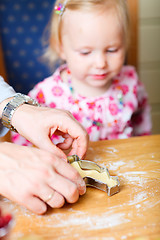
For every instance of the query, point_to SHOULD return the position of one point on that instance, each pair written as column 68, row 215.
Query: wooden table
column 133, row 213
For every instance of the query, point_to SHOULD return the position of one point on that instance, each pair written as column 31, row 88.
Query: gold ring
column 49, row 197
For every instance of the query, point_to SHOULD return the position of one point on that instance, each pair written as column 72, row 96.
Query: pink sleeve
column 37, row 93
column 18, row 139
column 141, row 119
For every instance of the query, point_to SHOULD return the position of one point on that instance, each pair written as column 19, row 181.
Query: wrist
column 12, row 106
column 21, row 117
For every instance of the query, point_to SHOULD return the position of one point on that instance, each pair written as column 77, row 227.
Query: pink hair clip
column 59, row 9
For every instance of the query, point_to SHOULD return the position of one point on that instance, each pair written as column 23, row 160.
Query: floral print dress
column 123, row 111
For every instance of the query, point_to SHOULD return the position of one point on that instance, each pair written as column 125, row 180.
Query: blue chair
column 22, row 24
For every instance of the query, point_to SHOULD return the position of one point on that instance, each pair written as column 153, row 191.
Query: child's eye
column 85, row 52
column 112, row 50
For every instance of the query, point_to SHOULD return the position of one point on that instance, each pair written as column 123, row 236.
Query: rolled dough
column 103, row 177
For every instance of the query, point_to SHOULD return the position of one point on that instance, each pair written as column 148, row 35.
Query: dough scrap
column 103, row 176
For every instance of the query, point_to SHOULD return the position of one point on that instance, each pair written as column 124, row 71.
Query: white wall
column 149, row 55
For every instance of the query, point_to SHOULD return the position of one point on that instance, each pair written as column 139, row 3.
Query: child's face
column 93, row 46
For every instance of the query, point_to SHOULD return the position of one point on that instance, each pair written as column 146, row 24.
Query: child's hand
column 33, row 177
column 39, row 123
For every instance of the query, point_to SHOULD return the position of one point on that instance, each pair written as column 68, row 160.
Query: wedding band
column 49, row 197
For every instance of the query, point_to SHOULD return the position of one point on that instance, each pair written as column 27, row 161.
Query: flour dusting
column 96, row 221
column 108, row 220
column 116, row 165
column 134, row 177
column 140, row 197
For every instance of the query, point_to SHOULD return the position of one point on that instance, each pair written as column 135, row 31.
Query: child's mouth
column 99, row 76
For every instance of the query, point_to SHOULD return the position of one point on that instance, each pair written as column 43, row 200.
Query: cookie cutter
column 92, row 182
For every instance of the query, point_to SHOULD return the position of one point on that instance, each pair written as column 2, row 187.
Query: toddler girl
column 91, row 37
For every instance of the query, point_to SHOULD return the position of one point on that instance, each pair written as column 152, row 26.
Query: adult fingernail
column 82, row 187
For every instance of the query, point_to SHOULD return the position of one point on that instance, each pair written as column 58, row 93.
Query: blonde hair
column 56, row 21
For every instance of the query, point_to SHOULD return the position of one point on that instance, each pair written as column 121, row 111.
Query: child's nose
column 100, row 61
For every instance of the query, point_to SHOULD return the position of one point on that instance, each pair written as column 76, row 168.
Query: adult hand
column 39, row 123
column 33, row 177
